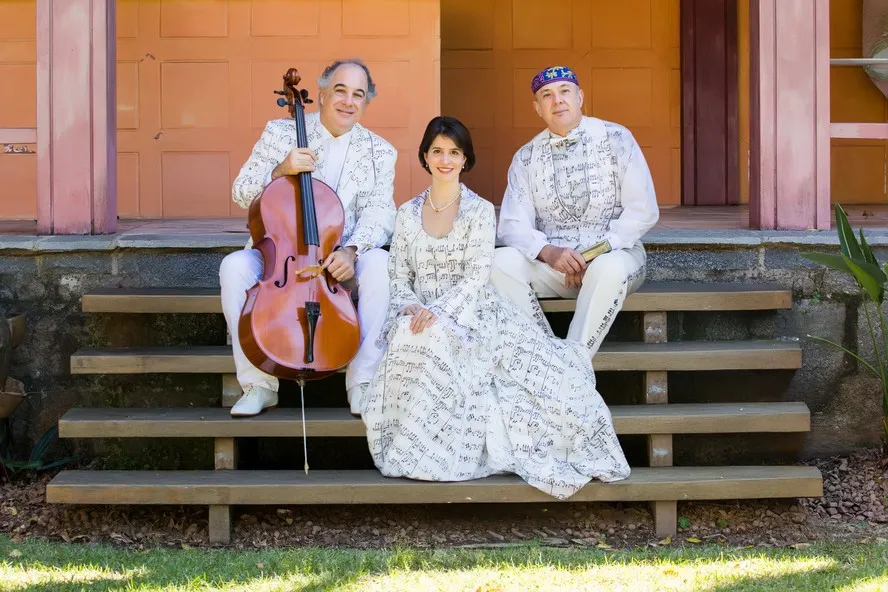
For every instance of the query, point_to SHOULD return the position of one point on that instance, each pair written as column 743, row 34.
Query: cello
column 298, row 322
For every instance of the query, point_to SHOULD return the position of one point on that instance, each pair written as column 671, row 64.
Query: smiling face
column 445, row 159
column 344, row 99
column 560, row 104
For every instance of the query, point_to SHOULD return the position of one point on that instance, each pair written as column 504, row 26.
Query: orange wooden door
column 18, row 107
column 196, row 81
column 626, row 54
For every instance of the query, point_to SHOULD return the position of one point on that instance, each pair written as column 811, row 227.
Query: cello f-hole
column 297, row 220
column 327, row 279
column 286, row 272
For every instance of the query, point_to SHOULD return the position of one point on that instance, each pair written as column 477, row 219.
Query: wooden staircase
column 226, row 486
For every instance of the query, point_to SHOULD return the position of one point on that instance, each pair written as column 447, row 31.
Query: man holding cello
column 360, row 167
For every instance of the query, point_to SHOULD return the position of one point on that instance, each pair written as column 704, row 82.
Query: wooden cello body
column 298, row 322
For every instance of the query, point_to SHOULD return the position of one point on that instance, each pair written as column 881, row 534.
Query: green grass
column 40, row 566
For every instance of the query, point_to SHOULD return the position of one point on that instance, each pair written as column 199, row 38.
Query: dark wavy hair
column 452, row 128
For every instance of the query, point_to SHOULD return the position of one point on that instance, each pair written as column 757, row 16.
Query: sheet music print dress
column 487, row 389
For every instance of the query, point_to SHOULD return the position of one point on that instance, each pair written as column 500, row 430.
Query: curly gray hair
column 324, row 78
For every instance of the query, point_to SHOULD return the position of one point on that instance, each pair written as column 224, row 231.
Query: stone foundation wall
column 45, row 278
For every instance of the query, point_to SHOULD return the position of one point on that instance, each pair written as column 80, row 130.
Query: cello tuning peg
column 282, row 102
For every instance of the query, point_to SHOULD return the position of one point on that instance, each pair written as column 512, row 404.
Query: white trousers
column 609, row 278
column 240, row 270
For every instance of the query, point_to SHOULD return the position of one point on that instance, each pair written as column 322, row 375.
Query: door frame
column 697, row 161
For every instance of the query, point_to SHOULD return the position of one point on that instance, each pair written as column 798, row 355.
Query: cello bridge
column 310, row 270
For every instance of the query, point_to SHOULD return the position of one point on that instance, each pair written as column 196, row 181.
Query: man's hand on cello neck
column 299, row 160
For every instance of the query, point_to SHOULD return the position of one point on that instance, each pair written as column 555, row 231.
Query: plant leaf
column 847, row 351
column 870, row 278
column 56, row 463
column 43, row 443
column 866, row 250
column 21, row 465
column 832, row 261
column 874, row 270
column 846, row 235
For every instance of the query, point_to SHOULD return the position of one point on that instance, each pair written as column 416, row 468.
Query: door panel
column 626, row 55
column 197, row 80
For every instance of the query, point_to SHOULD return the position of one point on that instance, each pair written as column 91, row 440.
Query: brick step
column 653, row 296
column 370, row 487
column 704, row 418
column 766, row 354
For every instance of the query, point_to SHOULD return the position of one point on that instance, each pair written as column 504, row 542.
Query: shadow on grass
column 71, row 567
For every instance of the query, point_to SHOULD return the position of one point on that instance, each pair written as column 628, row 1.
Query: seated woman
column 470, row 385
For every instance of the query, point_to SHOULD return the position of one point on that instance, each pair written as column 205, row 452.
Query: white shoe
column 354, row 395
column 254, row 400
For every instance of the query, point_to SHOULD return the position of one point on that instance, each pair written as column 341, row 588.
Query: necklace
column 444, row 207
column 576, row 210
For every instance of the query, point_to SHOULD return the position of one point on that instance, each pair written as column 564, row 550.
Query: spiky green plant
column 36, row 460
column 857, row 260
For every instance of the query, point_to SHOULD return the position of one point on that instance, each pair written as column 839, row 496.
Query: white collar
column 326, row 136
column 571, row 137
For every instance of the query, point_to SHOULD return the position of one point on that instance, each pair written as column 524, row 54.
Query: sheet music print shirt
column 487, row 389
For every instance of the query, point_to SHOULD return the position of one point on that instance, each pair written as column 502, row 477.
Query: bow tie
column 562, row 142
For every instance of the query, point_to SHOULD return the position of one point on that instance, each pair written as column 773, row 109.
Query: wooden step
column 370, row 487
column 613, row 356
column 653, row 296
column 705, row 418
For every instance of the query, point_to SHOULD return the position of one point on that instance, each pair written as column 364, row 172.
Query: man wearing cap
column 578, row 201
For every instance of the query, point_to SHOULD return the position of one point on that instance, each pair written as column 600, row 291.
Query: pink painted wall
column 76, row 119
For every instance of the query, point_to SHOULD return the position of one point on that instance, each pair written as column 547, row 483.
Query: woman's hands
column 422, row 317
